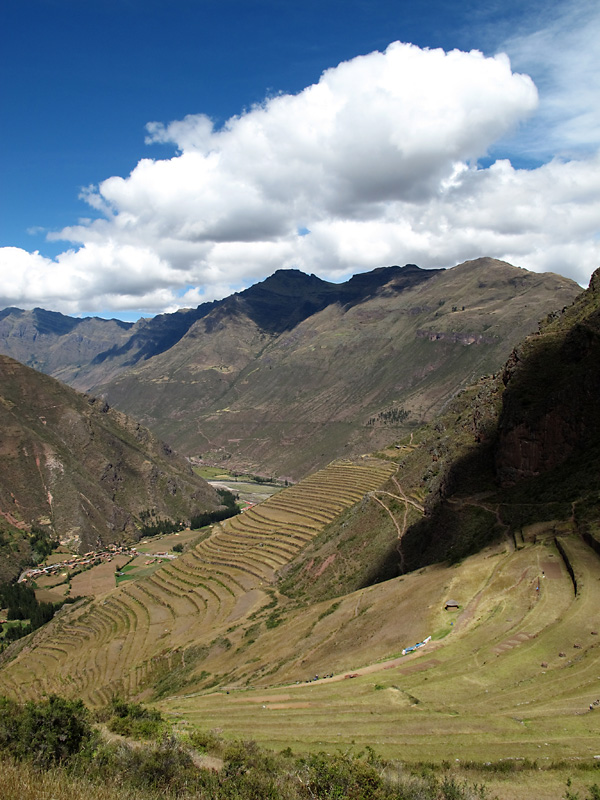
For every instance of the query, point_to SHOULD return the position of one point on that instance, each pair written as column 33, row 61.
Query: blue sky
column 81, row 81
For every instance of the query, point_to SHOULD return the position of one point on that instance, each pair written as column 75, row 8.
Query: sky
column 157, row 154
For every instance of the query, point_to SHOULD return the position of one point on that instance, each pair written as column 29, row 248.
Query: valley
column 474, row 533
column 295, row 371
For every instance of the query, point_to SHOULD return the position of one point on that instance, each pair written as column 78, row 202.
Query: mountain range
column 284, row 376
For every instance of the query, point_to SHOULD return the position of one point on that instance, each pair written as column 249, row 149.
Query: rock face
column 550, row 405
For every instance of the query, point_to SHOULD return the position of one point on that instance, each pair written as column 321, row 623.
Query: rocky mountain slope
column 80, row 471
column 345, row 379
column 282, row 377
column 57, row 344
column 516, row 451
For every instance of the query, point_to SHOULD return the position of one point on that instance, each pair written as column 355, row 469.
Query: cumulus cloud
column 373, row 165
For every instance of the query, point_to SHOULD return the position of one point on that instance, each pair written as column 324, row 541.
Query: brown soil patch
column 433, row 662
column 552, row 569
column 282, row 706
column 329, row 560
column 508, row 644
column 97, row 580
column 51, row 595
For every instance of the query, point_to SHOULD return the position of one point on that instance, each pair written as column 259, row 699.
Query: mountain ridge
column 283, row 404
column 283, row 376
column 80, row 471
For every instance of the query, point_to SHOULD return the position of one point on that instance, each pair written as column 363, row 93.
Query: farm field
column 513, row 678
column 509, row 676
column 132, row 637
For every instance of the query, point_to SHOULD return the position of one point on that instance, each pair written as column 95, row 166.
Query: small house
column 451, row 604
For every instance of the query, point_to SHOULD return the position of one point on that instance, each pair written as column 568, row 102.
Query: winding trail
column 400, row 527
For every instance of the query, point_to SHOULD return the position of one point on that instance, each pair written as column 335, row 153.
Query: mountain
column 518, row 451
column 57, row 344
column 80, row 471
column 282, row 377
column 87, row 352
column 386, row 353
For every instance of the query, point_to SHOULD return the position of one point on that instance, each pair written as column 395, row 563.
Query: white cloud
column 378, row 161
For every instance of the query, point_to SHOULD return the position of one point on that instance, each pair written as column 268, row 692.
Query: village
column 78, row 562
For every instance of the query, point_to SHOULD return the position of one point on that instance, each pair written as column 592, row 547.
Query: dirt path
column 402, row 526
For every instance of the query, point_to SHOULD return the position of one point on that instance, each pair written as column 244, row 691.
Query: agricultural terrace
column 510, row 674
column 122, row 642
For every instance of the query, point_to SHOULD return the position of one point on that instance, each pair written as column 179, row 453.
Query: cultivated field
column 509, row 675
column 130, row 637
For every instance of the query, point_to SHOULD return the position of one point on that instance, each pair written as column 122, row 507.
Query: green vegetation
column 42, row 543
column 154, row 526
column 209, row 517
column 52, row 731
column 228, row 499
column 22, row 606
column 133, row 720
column 391, row 416
column 57, row 735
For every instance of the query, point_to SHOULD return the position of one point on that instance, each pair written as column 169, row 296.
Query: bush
column 47, row 733
column 340, row 776
column 133, row 719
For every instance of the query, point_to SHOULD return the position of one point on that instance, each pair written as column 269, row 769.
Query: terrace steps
column 118, row 642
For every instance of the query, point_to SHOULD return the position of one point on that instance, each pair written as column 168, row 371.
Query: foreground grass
column 52, row 749
column 23, row 781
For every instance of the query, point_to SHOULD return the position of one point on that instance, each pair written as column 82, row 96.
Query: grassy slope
column 177, row 621
column 482, row 692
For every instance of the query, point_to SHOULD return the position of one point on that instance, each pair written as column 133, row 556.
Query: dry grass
column 481, row 693
column 20, row 781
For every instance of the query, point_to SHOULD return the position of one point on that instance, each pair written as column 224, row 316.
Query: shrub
column 133, row 719
column 49, row 732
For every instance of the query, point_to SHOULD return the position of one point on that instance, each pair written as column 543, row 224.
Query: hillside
column 510, row 671
column 151, row 629
column 517, row 448
column 345, row 379
column 283, row 376
column 80, row 471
